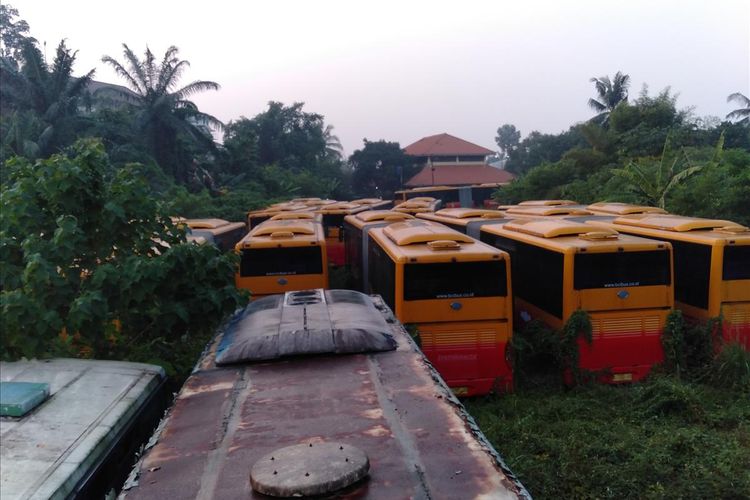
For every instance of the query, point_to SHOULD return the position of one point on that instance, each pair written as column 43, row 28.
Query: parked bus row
column 558, row 257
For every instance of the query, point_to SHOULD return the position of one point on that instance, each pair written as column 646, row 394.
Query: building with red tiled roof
column 447, row 160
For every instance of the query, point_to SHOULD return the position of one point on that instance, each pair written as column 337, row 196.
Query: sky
column 400, row 71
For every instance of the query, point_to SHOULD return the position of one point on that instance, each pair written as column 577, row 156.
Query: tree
column 93, row 266
column 379, row 168
column 173, row 128
column 610, row 93
column 654, row 180
column 13, row 35
column 741, row 114
column 334, row 149
column 507, row 138
column 40, row 103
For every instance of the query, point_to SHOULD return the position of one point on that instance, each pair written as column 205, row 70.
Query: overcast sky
column 404, row 70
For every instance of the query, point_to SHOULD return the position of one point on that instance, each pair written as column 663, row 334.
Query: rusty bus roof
column 392, row 405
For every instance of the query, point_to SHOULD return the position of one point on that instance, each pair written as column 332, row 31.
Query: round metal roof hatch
column 308, row 469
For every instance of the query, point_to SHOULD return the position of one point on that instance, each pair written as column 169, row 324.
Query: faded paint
column 392, row 405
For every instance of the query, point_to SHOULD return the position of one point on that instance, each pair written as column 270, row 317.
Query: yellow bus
column 356, row 236
column 282, row 255
column 464, row 220
column 623, row 282
column 456, row 291
column 333, row 222
column 219, row 232
column 418, row 205
column 711, row 266
column 449, row 196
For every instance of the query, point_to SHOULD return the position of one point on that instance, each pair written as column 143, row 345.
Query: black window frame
column 637, row 268
column 460, row 280
column 307, row 259
column 732, row 263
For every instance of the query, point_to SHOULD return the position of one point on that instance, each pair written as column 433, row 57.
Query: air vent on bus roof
column 293, row 216
column 463, row 213
column 617, row 208
column 205, row 223
column 599, row 235
column 443, row 245
column 668, row 222
column 412, row 232
column 732, row 229
column 546, row 203
column 553, row 228
column 282, row 235
column 377, row 215
column 292, row 226
column 544, row 211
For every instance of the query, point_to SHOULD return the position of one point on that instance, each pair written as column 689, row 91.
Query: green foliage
column 379, row 169
column 731, row 368
column 577, row 328
column 507, row 138
column 40, row 102
column 662, row 438
column 536, row 356
column 673, row 343
column 173, row 129
column 610, row 94
column 13, row 35
column 94, row 267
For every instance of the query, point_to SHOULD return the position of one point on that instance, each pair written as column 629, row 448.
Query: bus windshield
column 621, row 269
column 281, row 261
column 447, row 280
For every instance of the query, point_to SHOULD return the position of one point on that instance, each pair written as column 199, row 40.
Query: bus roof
column 545, row 211
column 339, row 208
column 54, row 451
column 295, row 216
column 381, row 400
column 272, row 233
column 690, row 229
column 546, row 203
column 617, row 208
column 380, row 216
column 204, row 223
column 465, row 213
column 562, row 234
column 425, row 241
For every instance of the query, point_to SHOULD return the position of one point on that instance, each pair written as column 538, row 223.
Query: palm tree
column 610, row 93
column 334, row 149
column 171, row 125
column 743, row 114
column 653, row 181
column 40, row 103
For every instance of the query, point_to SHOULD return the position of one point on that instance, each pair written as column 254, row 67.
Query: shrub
column 92, row 266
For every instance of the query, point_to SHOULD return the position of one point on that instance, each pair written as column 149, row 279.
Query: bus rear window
column 621, row 269
column 447, row 280
column 737, row 262
column 281, row 261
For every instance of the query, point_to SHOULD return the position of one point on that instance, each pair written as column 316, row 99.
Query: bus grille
column 625, row 326
column 455, row 338
column 738, row 316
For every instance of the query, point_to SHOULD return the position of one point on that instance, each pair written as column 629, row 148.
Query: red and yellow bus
column 711, row 266
column 333, row 222
column 456, row 291
column 464, row 220
column 280, row 256
column 219, row 232
column 356, row 238
column 623, row 282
